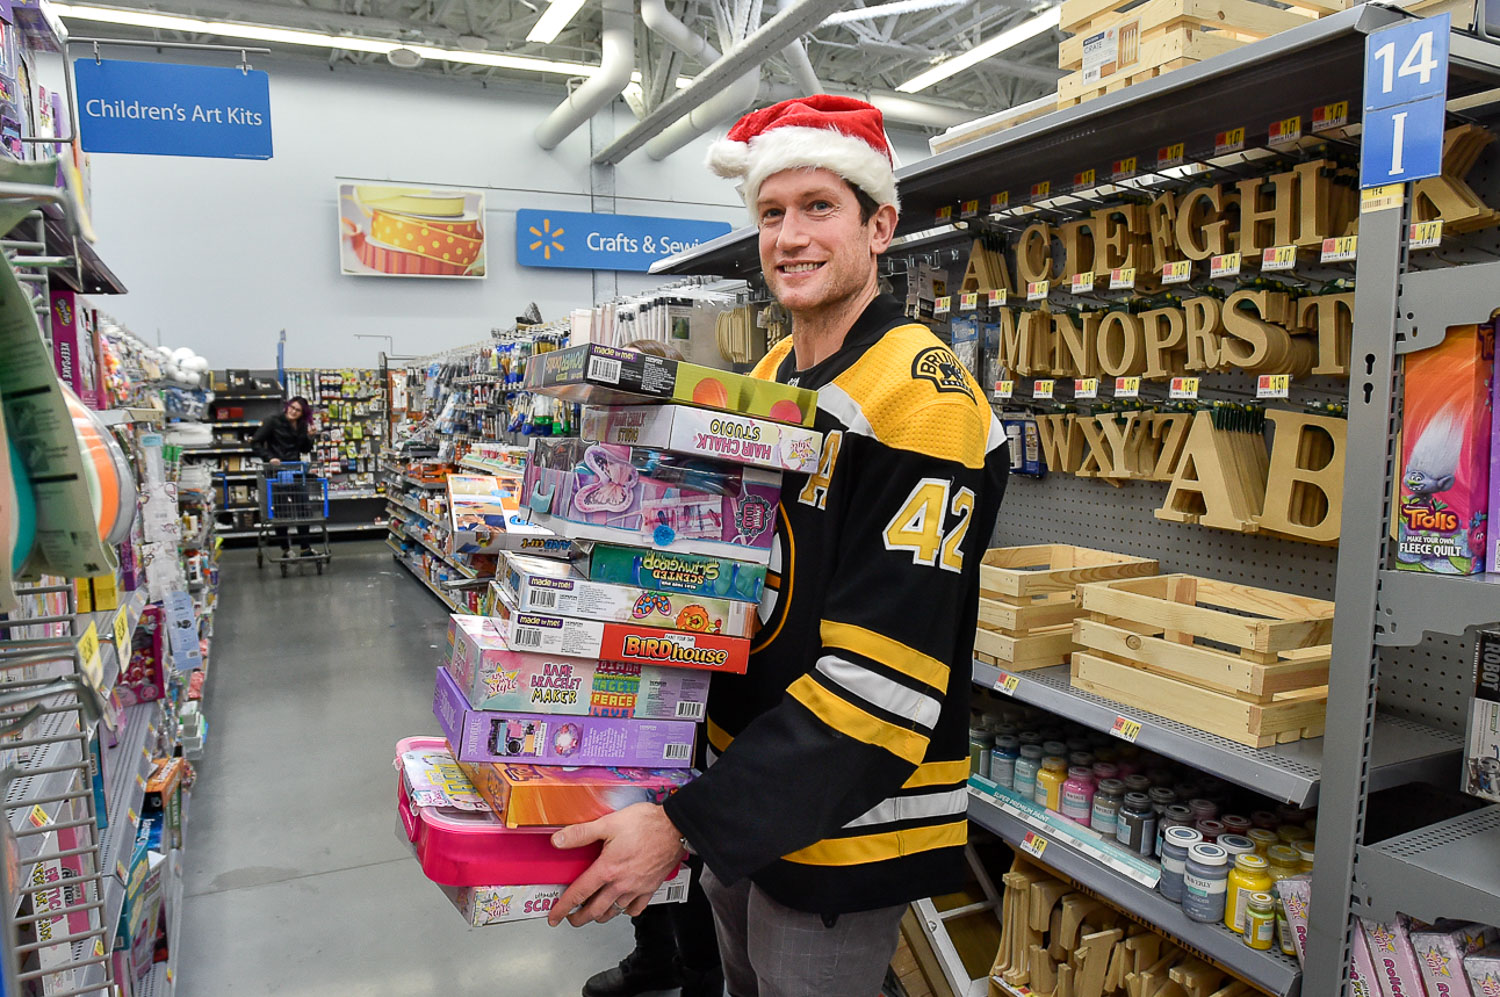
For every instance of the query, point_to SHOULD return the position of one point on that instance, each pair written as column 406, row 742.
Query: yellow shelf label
column 1126, row 728
column 1122, row 168
column 1084, row 179
column 1038, row 290
column 968, row 302
column 997, row 298
column 38, row 816
column 1083, row 282
column 1170, row 155
column 1334, row 115
column 1231, row 140
column 1034, row 844
column 969, row 209
column 1005, row 389
column 1425, row 235
column 999, row 201
column 945, row 214
column 1086, row 387
column 1225, row 265
column 1041, row 189
column 1127, row 387
column 1339, row 250
column 1286, row 130
column 1381, row 198
column 1278, row 258
column 1043, row 388
column 88, row 652
column 1122, row 279
column 943, row 305
column 1007, row 683
column 1184, row 388
column 122, row 636
column 1273, row 386
column 1176, row 273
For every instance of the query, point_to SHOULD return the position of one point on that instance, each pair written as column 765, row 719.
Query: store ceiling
column 867, row 56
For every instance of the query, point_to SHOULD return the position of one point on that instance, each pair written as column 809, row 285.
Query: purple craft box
column 635, row 495
column 487, row 736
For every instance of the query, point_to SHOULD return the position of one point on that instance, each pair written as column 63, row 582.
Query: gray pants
column 773, row 951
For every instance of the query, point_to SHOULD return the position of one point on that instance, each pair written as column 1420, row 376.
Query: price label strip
column 1034, row 844
column 969, row 209
column 1171, row 155
column 1122, row 169
column 1043, row 388
column 1339, row 250
column 1185, row 388
column 1005, row 389
column 1126, row 729
column 996, row 299
column 88, row 652
column 1232, row 140
column 1122, row 279
column 38, row 816
column 122, row 635
column 945, row 214
column 1285, row 132
column 968, row 302
column 1381, row 198
column 1058, row 829
column 1273, row 386
column 1041, row 190
column 942, row 306
column 1330, row 116
column 1425, row 235
column 1084, row 180
column 1037, row 290
column 1176, row 273
column 1225, row 265
column 999, row 202
column 1278, row 258
column 1007, row 683
column 1083, row 283
column 1086, row 387
column 1127, row 387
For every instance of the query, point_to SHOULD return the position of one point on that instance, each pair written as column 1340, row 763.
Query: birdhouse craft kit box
column 1445, row 454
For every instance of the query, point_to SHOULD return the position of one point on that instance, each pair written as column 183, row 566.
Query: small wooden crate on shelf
column 1248, row 664
column 1128, row 41
column 1028, row 600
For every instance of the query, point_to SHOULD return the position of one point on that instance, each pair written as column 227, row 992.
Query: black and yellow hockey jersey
column 842, row 754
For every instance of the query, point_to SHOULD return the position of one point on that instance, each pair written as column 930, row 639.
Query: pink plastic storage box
column 459, row 848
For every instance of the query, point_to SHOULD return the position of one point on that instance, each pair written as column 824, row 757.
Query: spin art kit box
column 489, row 736
column 672, row 571
column 636, row 495
column 702, row 433
column 545, row 586
column 494, row 677
column 632, row 643
column 1445, row 454
column 539, row 796
column 605, row 375
column 486, row 517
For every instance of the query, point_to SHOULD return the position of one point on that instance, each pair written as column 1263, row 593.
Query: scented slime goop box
column 598, row 491
column 1445, row 454
column 631, row 643
column 1440, row 956
column 606, row 375
column 1393, row 959
column 542, row 796
column 494, row 677
column 702, row 433
column 487, row 736
column 672, row 571
column 544, row 586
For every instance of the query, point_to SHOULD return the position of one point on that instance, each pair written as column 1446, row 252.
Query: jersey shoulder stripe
column 766, row 369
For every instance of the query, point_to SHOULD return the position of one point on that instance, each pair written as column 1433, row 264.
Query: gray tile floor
column 296, row 883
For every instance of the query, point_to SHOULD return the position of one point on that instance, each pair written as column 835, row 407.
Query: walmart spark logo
column 546, row 239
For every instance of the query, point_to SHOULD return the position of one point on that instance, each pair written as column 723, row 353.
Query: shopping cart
column 292, row 496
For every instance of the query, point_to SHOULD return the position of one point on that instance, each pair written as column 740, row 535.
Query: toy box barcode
column 538, row 584
column 603, row 369
column 631, row 643
column 489, row 736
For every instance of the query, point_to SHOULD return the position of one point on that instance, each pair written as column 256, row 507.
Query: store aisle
column 296, row 883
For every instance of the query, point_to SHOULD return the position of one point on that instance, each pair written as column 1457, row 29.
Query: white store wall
column 220, row 255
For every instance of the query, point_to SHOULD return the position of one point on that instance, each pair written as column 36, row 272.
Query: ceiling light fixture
column 313, row 39
column 556, row 17
column 1007, row 39
column 886, row 10
column 403, row 58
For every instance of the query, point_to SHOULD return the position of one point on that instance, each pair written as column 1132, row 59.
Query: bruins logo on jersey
column 938, row 365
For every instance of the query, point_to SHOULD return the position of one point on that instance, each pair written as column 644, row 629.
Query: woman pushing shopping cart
column 290, row 495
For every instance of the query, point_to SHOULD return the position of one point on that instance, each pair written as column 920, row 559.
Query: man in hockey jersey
column 835, row 793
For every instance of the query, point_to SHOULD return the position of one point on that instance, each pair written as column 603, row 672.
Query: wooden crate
column 1028, row 600
column 1248, row 664
column 1156, row 36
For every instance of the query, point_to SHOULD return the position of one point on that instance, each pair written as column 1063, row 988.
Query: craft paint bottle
column 1290, row 834
column 1202, row 809
column 1260, row 921
column 1003, row 760
column 1028, row 764
column 1248, row 876
column 1135, row 826
column 1235, row 845
column 1108, row 798
column 1030, row 737
column 1079, row 743
column 980, row 742
column 1054, row 747
column 1304, row 854
column 1175, row 845
column 1049, row 782
column 1205, row 881
column 1282, row 862
column 1105, row 770
column 1235, row 824
column 1135, row 782
column 1161, row 798
column 1265, row 819
column 1177, row 815
column 1078, row 794
column 1210, row 829
column 1084, row 758
column 1263, row 839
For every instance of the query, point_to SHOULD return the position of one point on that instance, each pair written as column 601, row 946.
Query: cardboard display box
column 739, row 439
column 540, row 796
column 672, row 571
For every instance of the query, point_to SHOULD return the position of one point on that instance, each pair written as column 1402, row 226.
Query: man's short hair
column 867, row 204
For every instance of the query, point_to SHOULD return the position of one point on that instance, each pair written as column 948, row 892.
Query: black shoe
column 707, row 983
column 634, row 975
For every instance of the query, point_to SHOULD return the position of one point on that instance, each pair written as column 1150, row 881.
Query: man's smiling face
column 815, row 250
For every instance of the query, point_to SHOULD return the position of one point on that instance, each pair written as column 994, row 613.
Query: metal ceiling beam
column 289, row 16
column 789, row 24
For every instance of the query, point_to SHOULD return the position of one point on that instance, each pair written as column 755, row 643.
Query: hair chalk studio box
column 607, row 375
column 672, row 571
column 541, row 796
column 489, row 736
column 494, row 677
column 696, row 432
column 632, row 643
column 544, row 586
column 636, row 495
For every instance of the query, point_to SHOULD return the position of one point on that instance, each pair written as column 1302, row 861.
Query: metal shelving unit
column 1271, row 971
column 401, row 559
column 1405, row 751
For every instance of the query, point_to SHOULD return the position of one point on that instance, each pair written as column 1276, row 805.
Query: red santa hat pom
column 840, row 134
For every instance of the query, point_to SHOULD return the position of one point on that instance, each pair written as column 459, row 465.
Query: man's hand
column 275, row 460
column 642, row 849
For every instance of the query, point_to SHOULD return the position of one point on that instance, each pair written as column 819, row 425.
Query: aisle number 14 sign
column 1406, row 89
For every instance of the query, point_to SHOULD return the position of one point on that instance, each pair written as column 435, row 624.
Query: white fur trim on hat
column 796, row 147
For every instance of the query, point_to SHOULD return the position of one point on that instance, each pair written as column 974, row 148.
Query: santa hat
column 840, row 134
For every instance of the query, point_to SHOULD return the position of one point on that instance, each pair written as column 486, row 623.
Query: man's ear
column 882, row 228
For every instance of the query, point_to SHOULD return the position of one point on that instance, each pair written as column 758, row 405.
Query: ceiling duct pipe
column 727, row 103
column 801, row 69
column 615, row 68
column 670, row 29
column 791, row 23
